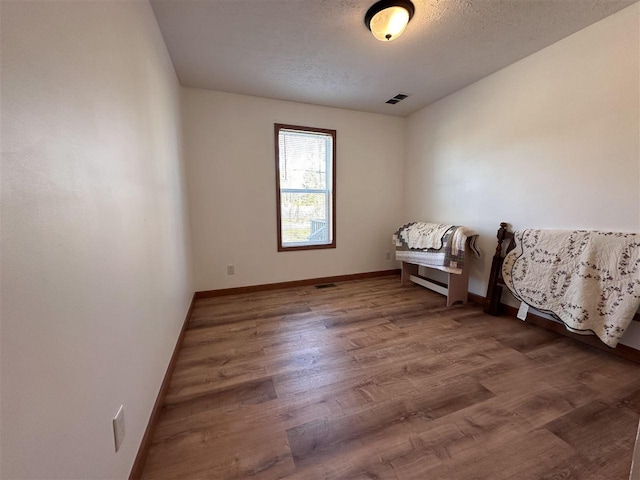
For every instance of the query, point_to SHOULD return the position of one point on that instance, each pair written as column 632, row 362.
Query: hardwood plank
column 205, row 454
column 319, row 438
column 189, row 414
column 369, row 379
column 498, row 464
column 601, row 432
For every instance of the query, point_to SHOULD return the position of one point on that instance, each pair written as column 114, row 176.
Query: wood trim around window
column 282, row 126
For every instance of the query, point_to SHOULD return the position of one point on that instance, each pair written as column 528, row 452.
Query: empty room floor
column 369, row 380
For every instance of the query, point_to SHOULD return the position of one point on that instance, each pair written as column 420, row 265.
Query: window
column 305, row 187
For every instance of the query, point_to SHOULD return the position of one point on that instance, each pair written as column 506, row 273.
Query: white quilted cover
column 588, row 280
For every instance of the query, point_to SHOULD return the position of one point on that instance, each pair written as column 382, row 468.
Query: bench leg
column 458, row 287
column 408, row 269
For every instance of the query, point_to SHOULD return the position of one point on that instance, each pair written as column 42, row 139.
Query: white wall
column 551, row 141
column 95, row 249
column 229, row 148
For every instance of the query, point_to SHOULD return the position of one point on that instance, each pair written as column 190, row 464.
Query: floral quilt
column 588, row 280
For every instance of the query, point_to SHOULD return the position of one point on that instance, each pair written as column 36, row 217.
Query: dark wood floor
column 369, row 380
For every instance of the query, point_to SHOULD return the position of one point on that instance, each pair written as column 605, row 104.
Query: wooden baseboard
column 294, row 283
column 477, row 299
column 621, row 350
column 143, row 450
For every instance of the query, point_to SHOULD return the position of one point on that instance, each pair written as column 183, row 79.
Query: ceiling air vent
column 397, row 98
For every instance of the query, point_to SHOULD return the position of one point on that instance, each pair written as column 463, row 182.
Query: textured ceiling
column 320, row 52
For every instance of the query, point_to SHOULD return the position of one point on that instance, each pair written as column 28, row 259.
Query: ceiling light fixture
column 387, row 19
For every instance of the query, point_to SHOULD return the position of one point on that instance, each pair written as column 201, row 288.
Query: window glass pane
column 305, row 177
column 304, row 218
column 304, row 159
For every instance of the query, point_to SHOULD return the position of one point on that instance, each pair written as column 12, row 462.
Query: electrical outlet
column 388, row 255
column 118, row 427
column 231, row 269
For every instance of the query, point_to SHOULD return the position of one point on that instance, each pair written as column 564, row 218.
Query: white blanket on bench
column 588, row 280
column 422, row 235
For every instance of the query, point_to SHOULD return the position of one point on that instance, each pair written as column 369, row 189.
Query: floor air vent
column 325, row 285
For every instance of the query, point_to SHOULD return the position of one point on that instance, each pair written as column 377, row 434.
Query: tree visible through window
column 305, row 187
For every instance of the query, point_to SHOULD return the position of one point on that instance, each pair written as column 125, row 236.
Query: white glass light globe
column 389, row 23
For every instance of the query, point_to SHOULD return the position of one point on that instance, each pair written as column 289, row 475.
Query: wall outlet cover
column 118, row 427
